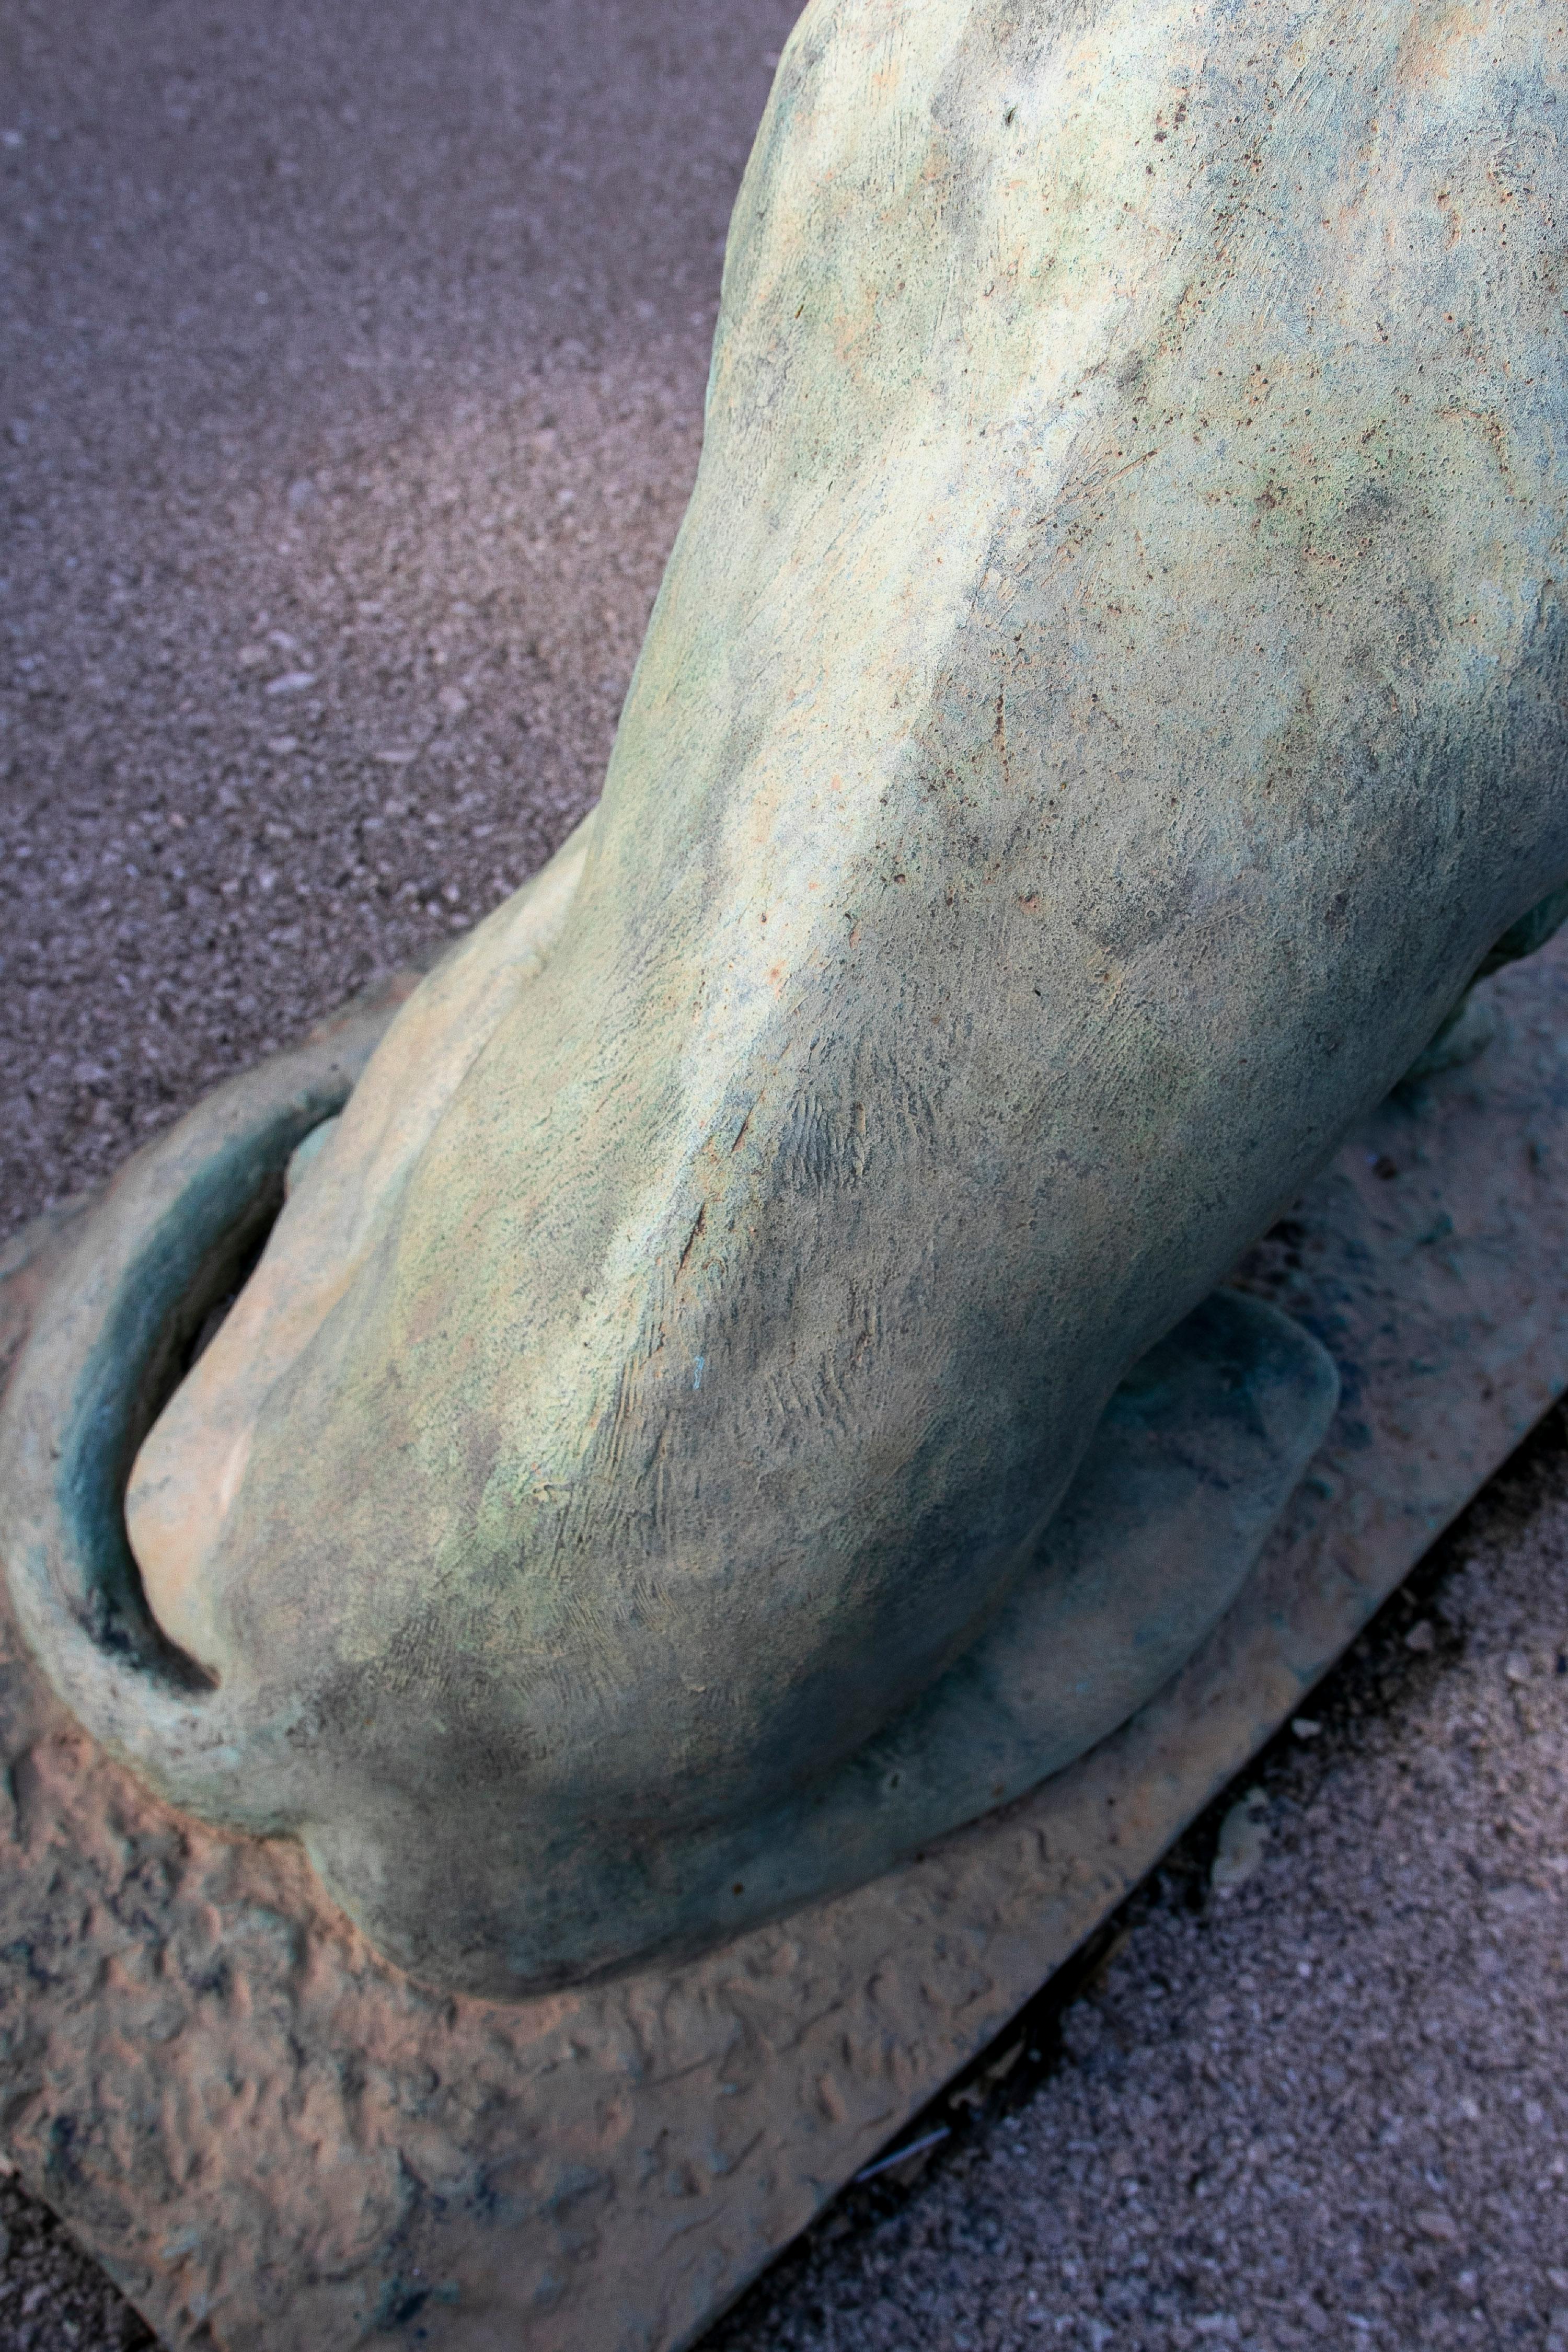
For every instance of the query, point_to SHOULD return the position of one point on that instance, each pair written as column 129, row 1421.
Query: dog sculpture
column 1106, row 700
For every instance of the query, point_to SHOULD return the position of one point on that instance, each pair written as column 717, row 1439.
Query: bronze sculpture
column 1104, row 705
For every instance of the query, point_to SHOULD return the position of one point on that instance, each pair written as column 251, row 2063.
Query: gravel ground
column 353, row 368
column 1324, row 2105
column 354, row 360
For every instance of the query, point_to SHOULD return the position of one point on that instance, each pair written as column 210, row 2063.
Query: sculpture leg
column 1105, row 697
column 1187, row 1473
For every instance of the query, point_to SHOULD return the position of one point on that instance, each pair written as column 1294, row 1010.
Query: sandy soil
column 354, row 360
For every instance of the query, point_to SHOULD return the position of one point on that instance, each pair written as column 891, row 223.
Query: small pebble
column 1243, row 1842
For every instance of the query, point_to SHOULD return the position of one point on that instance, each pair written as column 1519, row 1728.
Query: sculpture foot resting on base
column 1105, row 700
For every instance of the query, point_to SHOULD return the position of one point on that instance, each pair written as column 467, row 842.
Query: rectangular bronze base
column 271, row 2141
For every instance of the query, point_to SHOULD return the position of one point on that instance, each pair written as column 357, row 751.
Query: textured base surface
column 270, row 2139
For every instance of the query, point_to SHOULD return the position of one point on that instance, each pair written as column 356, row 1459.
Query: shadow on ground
column 1322, row 2104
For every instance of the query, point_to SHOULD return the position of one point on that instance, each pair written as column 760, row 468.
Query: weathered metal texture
column 1107, row 697
column 272, row 2139
column 1183, row 1477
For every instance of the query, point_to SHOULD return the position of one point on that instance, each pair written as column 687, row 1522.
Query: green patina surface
column 1105, row 701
